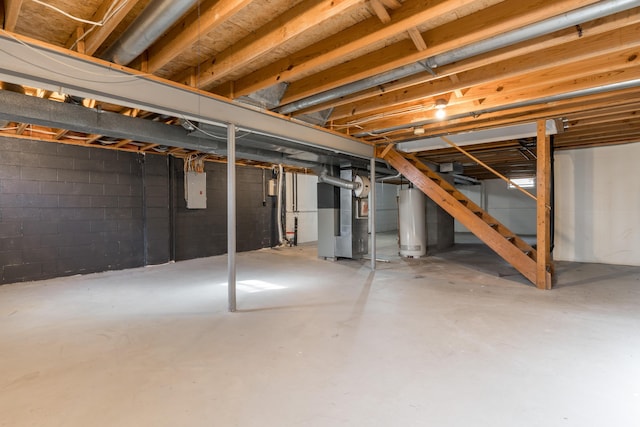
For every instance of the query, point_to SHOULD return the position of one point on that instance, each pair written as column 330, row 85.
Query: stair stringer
column 482, row 228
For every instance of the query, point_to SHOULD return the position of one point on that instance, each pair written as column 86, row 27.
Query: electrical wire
column 222, row 138
column 110, row 13
column 125, row 78
column 68, row 15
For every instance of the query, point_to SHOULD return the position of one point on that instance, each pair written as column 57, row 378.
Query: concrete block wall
column 68, row 210
column 203, row 232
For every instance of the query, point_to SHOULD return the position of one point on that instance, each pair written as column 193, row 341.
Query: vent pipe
column 325, row 178
column 155, row 19
column 547, row 26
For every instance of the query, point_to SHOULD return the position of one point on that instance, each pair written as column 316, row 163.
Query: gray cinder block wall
column 68, row 210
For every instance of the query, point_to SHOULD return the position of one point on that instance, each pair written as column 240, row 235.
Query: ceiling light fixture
column 440, row 106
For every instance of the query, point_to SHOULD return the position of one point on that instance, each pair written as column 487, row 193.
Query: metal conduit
column 550, row 25
column 155, row 19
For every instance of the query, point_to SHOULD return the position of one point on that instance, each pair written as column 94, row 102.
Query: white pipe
column 372, row 212
column 231, row 216
column 279, row 205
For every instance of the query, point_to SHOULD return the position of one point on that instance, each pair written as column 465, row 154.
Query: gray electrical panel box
column 195, row 190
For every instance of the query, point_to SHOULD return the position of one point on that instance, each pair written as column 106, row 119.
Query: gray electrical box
column 195, row 190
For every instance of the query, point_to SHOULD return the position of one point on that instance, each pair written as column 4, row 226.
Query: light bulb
column 441, row 113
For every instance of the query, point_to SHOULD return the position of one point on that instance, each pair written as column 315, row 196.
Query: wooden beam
column 380, row 11
column 486, row 166
column 80, row 45
column 99, row 34
column 568, row 59
column 11, row 13
column 534, row 89
column 345, row 43
column 210, row 16
column 392, row 4
column 544, row 266
column 296, row 20
column 470, row 218
column 21, row 128
column 60, row 133
column 488, row 22
column 525, row 49
column 417, row 39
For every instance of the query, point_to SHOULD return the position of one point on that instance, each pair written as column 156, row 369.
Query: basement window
column 523, row 182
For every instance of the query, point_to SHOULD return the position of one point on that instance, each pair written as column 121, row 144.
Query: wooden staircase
column 504, row 242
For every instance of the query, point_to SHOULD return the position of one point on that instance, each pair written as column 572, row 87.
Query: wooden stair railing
column 504, row 242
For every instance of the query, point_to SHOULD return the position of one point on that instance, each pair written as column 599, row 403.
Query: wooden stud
column 417, row 39
column 80, row 46
column 481, row 163
column 11, row 13
column 380, row 11
column 210, row 15
column 543, row 208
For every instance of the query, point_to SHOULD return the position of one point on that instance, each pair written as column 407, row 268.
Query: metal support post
column 372, row 212
column 231, row 215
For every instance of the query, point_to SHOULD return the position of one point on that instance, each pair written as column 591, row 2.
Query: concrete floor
column 455, row 339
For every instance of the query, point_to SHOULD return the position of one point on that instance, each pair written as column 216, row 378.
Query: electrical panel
column 196, row 190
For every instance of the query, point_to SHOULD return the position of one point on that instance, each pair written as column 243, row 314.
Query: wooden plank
column 99, row 34
column 187, row 32
column 380, row 11
column 11, row 13
column 293, row 22
column 486, row 23
column 590, row 29
column 540, row 90
column 417, row 39
column 598, row 49
column 525, row 265
column 484, row 165
column 347, row 42
column 543, row 209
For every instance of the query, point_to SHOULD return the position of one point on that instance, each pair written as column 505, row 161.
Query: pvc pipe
column 231, row 215
column 372, row 212
column 279, row 205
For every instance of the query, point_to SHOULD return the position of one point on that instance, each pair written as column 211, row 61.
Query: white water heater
column 413, row 225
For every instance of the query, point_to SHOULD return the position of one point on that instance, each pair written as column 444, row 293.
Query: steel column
column 372, row 212
column 231, row 215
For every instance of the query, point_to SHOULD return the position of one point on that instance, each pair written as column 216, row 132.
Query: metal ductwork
column 348, row 89
column 547, row 26
column 325, row 178
column 361, row 185
column 528, row 32
column 155, row 19
column 553, row 98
